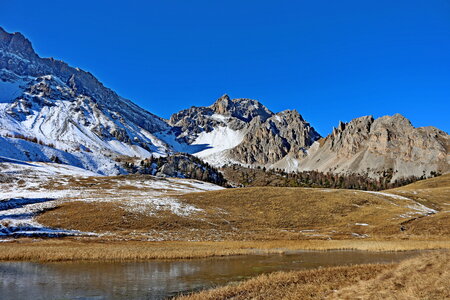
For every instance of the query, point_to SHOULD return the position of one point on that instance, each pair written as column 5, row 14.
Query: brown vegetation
column 424, row 277
column 106, row 248
column 110, row 217
column 433, row 192
column 260, row 213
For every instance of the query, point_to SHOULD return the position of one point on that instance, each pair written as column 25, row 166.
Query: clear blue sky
column 330, row 60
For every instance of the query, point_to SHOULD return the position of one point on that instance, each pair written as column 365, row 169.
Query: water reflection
column 158, row 279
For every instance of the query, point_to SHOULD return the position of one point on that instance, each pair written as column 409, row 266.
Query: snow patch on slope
column 23, row 150
column 10, row 90
column 30, row 188
column 220, row 139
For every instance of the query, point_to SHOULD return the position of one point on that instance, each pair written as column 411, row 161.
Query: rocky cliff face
column 269, row 141
column 372, row 146
column 235, row 114
column 243, row 131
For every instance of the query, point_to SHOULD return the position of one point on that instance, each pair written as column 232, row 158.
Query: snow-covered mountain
column 51, row 107
column 50, row 111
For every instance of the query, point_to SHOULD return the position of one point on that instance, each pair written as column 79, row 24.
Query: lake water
column 160, row 279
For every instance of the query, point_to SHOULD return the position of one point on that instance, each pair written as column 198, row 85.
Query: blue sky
column 330, row 60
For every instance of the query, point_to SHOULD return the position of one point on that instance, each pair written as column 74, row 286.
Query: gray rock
column 368, row 146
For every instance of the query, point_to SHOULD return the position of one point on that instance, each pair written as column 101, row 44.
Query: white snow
column 360, row 235
column 35, row 187
column 417, row 208
column 217, row 140
column 361, row 224
column 10, row 90
column 388, row 195
column 219, row 117
column 69, row 125
column 175, row 206
column 18, row 149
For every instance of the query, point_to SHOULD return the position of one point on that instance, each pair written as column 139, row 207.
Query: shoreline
column 359, row 281
column 110, row 251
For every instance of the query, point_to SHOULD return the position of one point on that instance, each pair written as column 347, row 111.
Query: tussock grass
column 331, row 213
column 423, row 277
column 310, row 284
column 261, row 213
column 109, row 250
column 111, row 217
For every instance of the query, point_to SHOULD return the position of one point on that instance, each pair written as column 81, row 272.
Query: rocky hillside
column 242, row 131
column 179, row 165
column 376, row 146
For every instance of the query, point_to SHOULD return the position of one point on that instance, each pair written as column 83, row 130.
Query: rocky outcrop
column 179, row 165
column 373, row 146
column 260, row 136
column 243, row 109
column 269, row 141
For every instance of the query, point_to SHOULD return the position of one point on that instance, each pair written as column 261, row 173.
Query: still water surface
column 159, row 279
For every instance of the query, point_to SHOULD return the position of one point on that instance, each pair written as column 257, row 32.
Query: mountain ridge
column 59, row 105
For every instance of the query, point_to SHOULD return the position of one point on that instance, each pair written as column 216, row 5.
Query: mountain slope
column 49, row 110
column 242, row 131
column 69, row 108
column 387, row 146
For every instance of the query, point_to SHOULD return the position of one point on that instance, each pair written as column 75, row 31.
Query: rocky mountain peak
column 283, row 134
column 289, row 115
column 16, row 43
column 241, row 108
column 351, row 135
column 371, row 146
column 396, row 123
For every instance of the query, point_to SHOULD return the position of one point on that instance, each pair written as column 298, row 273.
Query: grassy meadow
column 423, row 277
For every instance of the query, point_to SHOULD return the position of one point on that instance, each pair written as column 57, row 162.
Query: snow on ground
column 219, row 117
column 217, row 140
column 19, row 149
column 10, row 90
column 417, row 208
column 150, row 195
column 388, row 195
column 209, row 146
column 155, row 204
column 28, row 188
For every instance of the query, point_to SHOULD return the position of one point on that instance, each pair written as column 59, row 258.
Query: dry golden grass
column 424, row 277
column 250, row 214
column 95, row 249
column 310, row 284
column 433, row 192
column 331, row 213
column 111, row 217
